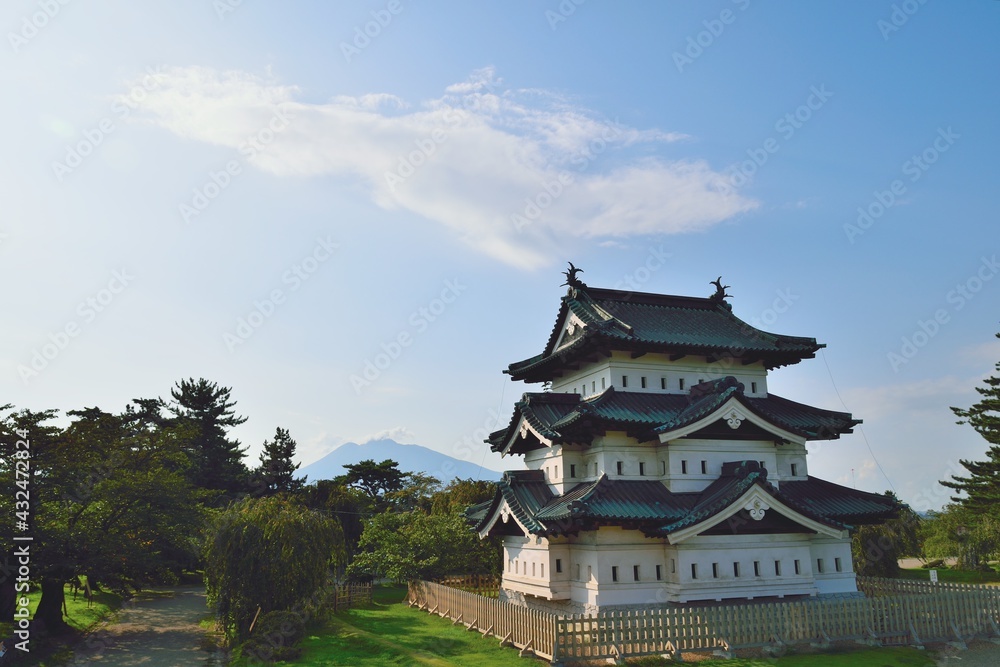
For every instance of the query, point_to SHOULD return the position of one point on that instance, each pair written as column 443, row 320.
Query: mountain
column 411, row 458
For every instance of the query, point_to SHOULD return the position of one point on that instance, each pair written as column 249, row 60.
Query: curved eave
column 544, row 367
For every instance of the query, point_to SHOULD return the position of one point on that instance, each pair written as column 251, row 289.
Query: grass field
column 390, row 633
column 78, row 615
column 952, row 576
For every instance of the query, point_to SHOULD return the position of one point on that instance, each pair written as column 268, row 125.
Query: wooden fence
column 345, row 596
column 472, row 583
column 897, row 614
column 530, row 630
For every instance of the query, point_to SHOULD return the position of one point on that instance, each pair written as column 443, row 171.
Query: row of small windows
column 620, row 468
column 515, row 566
column 643, row 384
column 737, row 573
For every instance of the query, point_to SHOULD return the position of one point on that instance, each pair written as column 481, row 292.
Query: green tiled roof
column 840, row 502
column 649, row 506
column 617, row 500
column 564, row 418
column 641, row 322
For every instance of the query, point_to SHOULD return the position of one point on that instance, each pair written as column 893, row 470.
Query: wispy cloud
column 470, row 159
column 400, row 434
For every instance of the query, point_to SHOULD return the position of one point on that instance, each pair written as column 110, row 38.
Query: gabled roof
column 543, row 419
column 642, row 322
column 652, row 508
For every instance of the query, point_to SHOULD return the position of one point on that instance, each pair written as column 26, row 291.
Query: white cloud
column 469, row 160
column 933, row 394
column 400, row 434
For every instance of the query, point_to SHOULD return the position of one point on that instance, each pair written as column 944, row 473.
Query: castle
column 660, row 468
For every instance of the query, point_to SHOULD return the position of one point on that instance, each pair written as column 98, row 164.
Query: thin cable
column 503, row 387
column 863, row 436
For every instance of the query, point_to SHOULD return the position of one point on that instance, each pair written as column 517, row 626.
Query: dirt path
column 159, row 629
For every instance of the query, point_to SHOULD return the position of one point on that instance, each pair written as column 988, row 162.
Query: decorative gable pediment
column 572, row 329
column 757, row 502
column 734, row 414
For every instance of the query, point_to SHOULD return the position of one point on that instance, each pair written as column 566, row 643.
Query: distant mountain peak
column 410, row 457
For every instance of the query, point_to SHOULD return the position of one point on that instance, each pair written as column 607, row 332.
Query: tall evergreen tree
column 206, row 410
column 982, row 484
column 277, row 469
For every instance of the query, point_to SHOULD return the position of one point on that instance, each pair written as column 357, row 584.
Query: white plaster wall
column 659, row 372
column 714, row 453
column 830, row 551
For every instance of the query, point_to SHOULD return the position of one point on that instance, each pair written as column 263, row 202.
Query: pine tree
column 206, row 410
column 982, row 485
column 277, row 469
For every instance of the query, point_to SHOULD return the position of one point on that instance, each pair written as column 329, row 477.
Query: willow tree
column 267, row 554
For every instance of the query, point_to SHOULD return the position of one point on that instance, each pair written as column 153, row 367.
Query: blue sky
column 264, row 195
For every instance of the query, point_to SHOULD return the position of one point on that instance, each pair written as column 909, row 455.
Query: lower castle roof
column 651, row 507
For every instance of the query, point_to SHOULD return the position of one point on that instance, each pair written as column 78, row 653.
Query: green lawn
column 952, row 576
column 78, row 615
column 390, row 633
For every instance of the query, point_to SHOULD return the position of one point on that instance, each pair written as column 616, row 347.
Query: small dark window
column 642, row 382
column 572, row 470
column 558, row 564
column 777, row 568
column 836, row 565
column 681, row 384
column 584, row 389
column 704, row 467
column 663, row 383
column 619, row 466
column 694, row 570
column 736, row 569
column 663, row 467
column 684, row 467
column 753, row 387
column 614, row 573
column 761, row 464
column 659, row 572
column 624, row 381
column 604, row 383
column 798, row 568
column 819, row 565
column 642, row 468
column 673, row 566
column 635, row 573
column 756, row 568
column 715, row 570
column 593, row 386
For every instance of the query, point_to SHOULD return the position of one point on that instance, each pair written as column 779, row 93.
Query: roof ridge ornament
column 720, row 295
column 572, row 281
